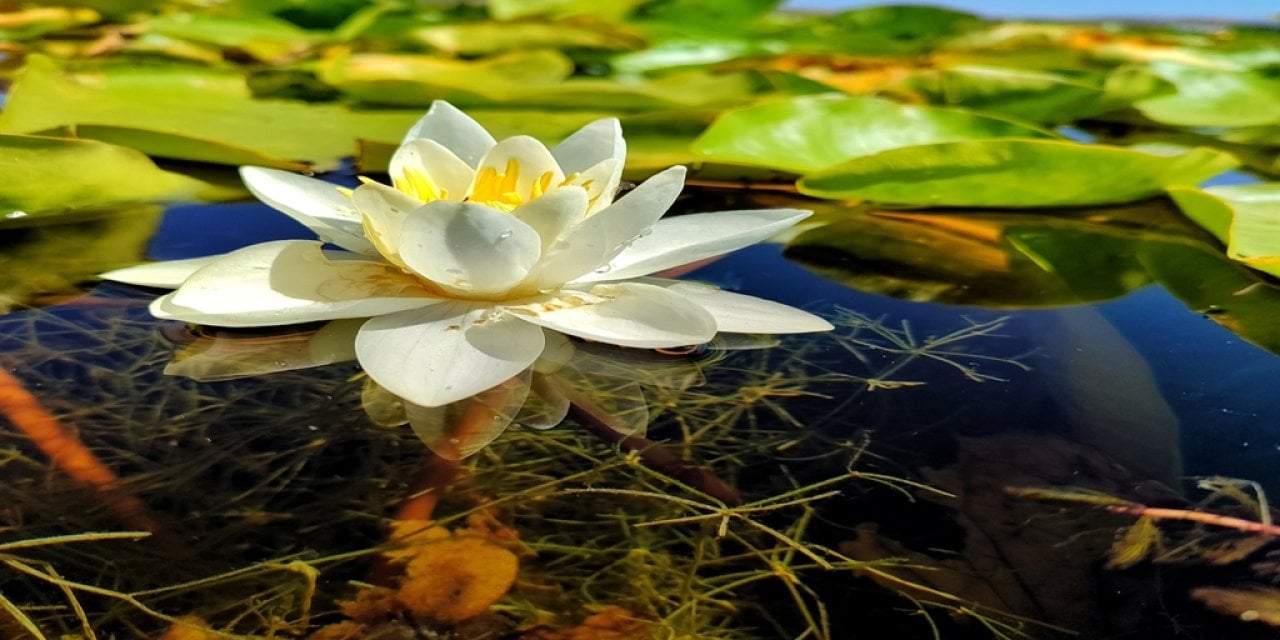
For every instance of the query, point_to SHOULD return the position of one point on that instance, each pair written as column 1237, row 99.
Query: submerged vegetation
column 275, row 502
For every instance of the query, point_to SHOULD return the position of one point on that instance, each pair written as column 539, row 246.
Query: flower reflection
column 612, row 380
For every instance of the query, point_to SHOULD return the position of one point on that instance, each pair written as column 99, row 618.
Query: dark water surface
column 1137, row 397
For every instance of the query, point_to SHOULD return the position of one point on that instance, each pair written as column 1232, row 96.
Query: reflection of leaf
column 1038, row 96
column 1014, row 173
column 1224, row 291
column 970, row 258
column 810, row 133
column 1214, row 97
column 1258, row 603
column 189, row 114
column 46, row 177
column 53, row 259
column 1246, row 218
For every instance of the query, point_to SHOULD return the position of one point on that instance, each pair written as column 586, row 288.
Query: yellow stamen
column 345, row 191
column 421, row 186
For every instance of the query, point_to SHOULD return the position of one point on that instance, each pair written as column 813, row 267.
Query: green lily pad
column 483, row 38
column 809, row 133
column 1036, row 96
column 1246, row 218
column 263, row 37
column 1214, row 97
column 533, row 79
column 190, row 114
column 1014, row 173
column 46, row 178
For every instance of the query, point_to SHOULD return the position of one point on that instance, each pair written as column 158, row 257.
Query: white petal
column 460, row 429
column 468, row 247
column 597, row 149
column 683, row 239
column 552, row 214
column 454, row 130
column 288, row 282
column 317, row 204
column 747, row 314
column 444, row 172
column 596, row 240
column 384, row 211
column 601, row 183
column 446, row 352
column 626, row 314
column 165, row 275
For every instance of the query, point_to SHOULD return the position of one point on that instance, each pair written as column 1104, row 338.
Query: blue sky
column 1244, row 10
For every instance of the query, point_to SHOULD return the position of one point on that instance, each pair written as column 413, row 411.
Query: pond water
column 877, row 464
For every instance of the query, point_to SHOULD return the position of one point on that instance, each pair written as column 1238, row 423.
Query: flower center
column 502, row 190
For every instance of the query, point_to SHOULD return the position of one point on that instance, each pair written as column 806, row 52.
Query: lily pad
column 533, row 79
column 809, row 133
column 264, row 38
column 1246, row 218
column 1037, row 96
column 1015, row 174
column 1214, row 97
column 483, row 38
column 48, row 177
column 190, row 113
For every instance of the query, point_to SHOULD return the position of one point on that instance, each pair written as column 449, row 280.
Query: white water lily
column 474, row 251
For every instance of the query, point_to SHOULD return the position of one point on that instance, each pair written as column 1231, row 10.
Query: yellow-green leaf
column 1246, row 218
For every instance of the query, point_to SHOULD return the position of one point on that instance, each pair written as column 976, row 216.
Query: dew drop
column 504, row 235
column 453, row 271
column 603, row 269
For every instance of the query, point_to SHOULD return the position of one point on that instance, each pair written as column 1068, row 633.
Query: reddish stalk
column 1158, row 513
column 69, row 454
column 654, row 454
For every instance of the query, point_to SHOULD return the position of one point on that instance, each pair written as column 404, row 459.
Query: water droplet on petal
column 603, row 269
column 453, row 271
column 504, row 235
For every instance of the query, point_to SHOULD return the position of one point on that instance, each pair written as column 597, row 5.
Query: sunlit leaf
column 262, row 37
column 48, row 177
column 1246, row 218
column 533, row 79
column 809, row 133
column 1214, row 98
column 1014, row 173
column 31, row 22
column 190, row 114
column 510, row 9
column 1037, row 96
column 482, row 38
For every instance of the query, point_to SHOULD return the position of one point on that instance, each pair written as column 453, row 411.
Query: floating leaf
column 1014, row 173
column 47, row 177
column 190, row 114
column 1037, row 96
column 263, row 37
column 483, row 38
column 1246, row 218
column 1214, row 98
column 814, row 132
column 534, row 79
column 34, row 21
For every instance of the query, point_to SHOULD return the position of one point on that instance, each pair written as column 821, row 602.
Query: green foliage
column 1246, row 218
column 1014, row 174
column 809, row 133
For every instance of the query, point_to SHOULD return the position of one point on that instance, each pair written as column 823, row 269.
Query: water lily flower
column 475, row 250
